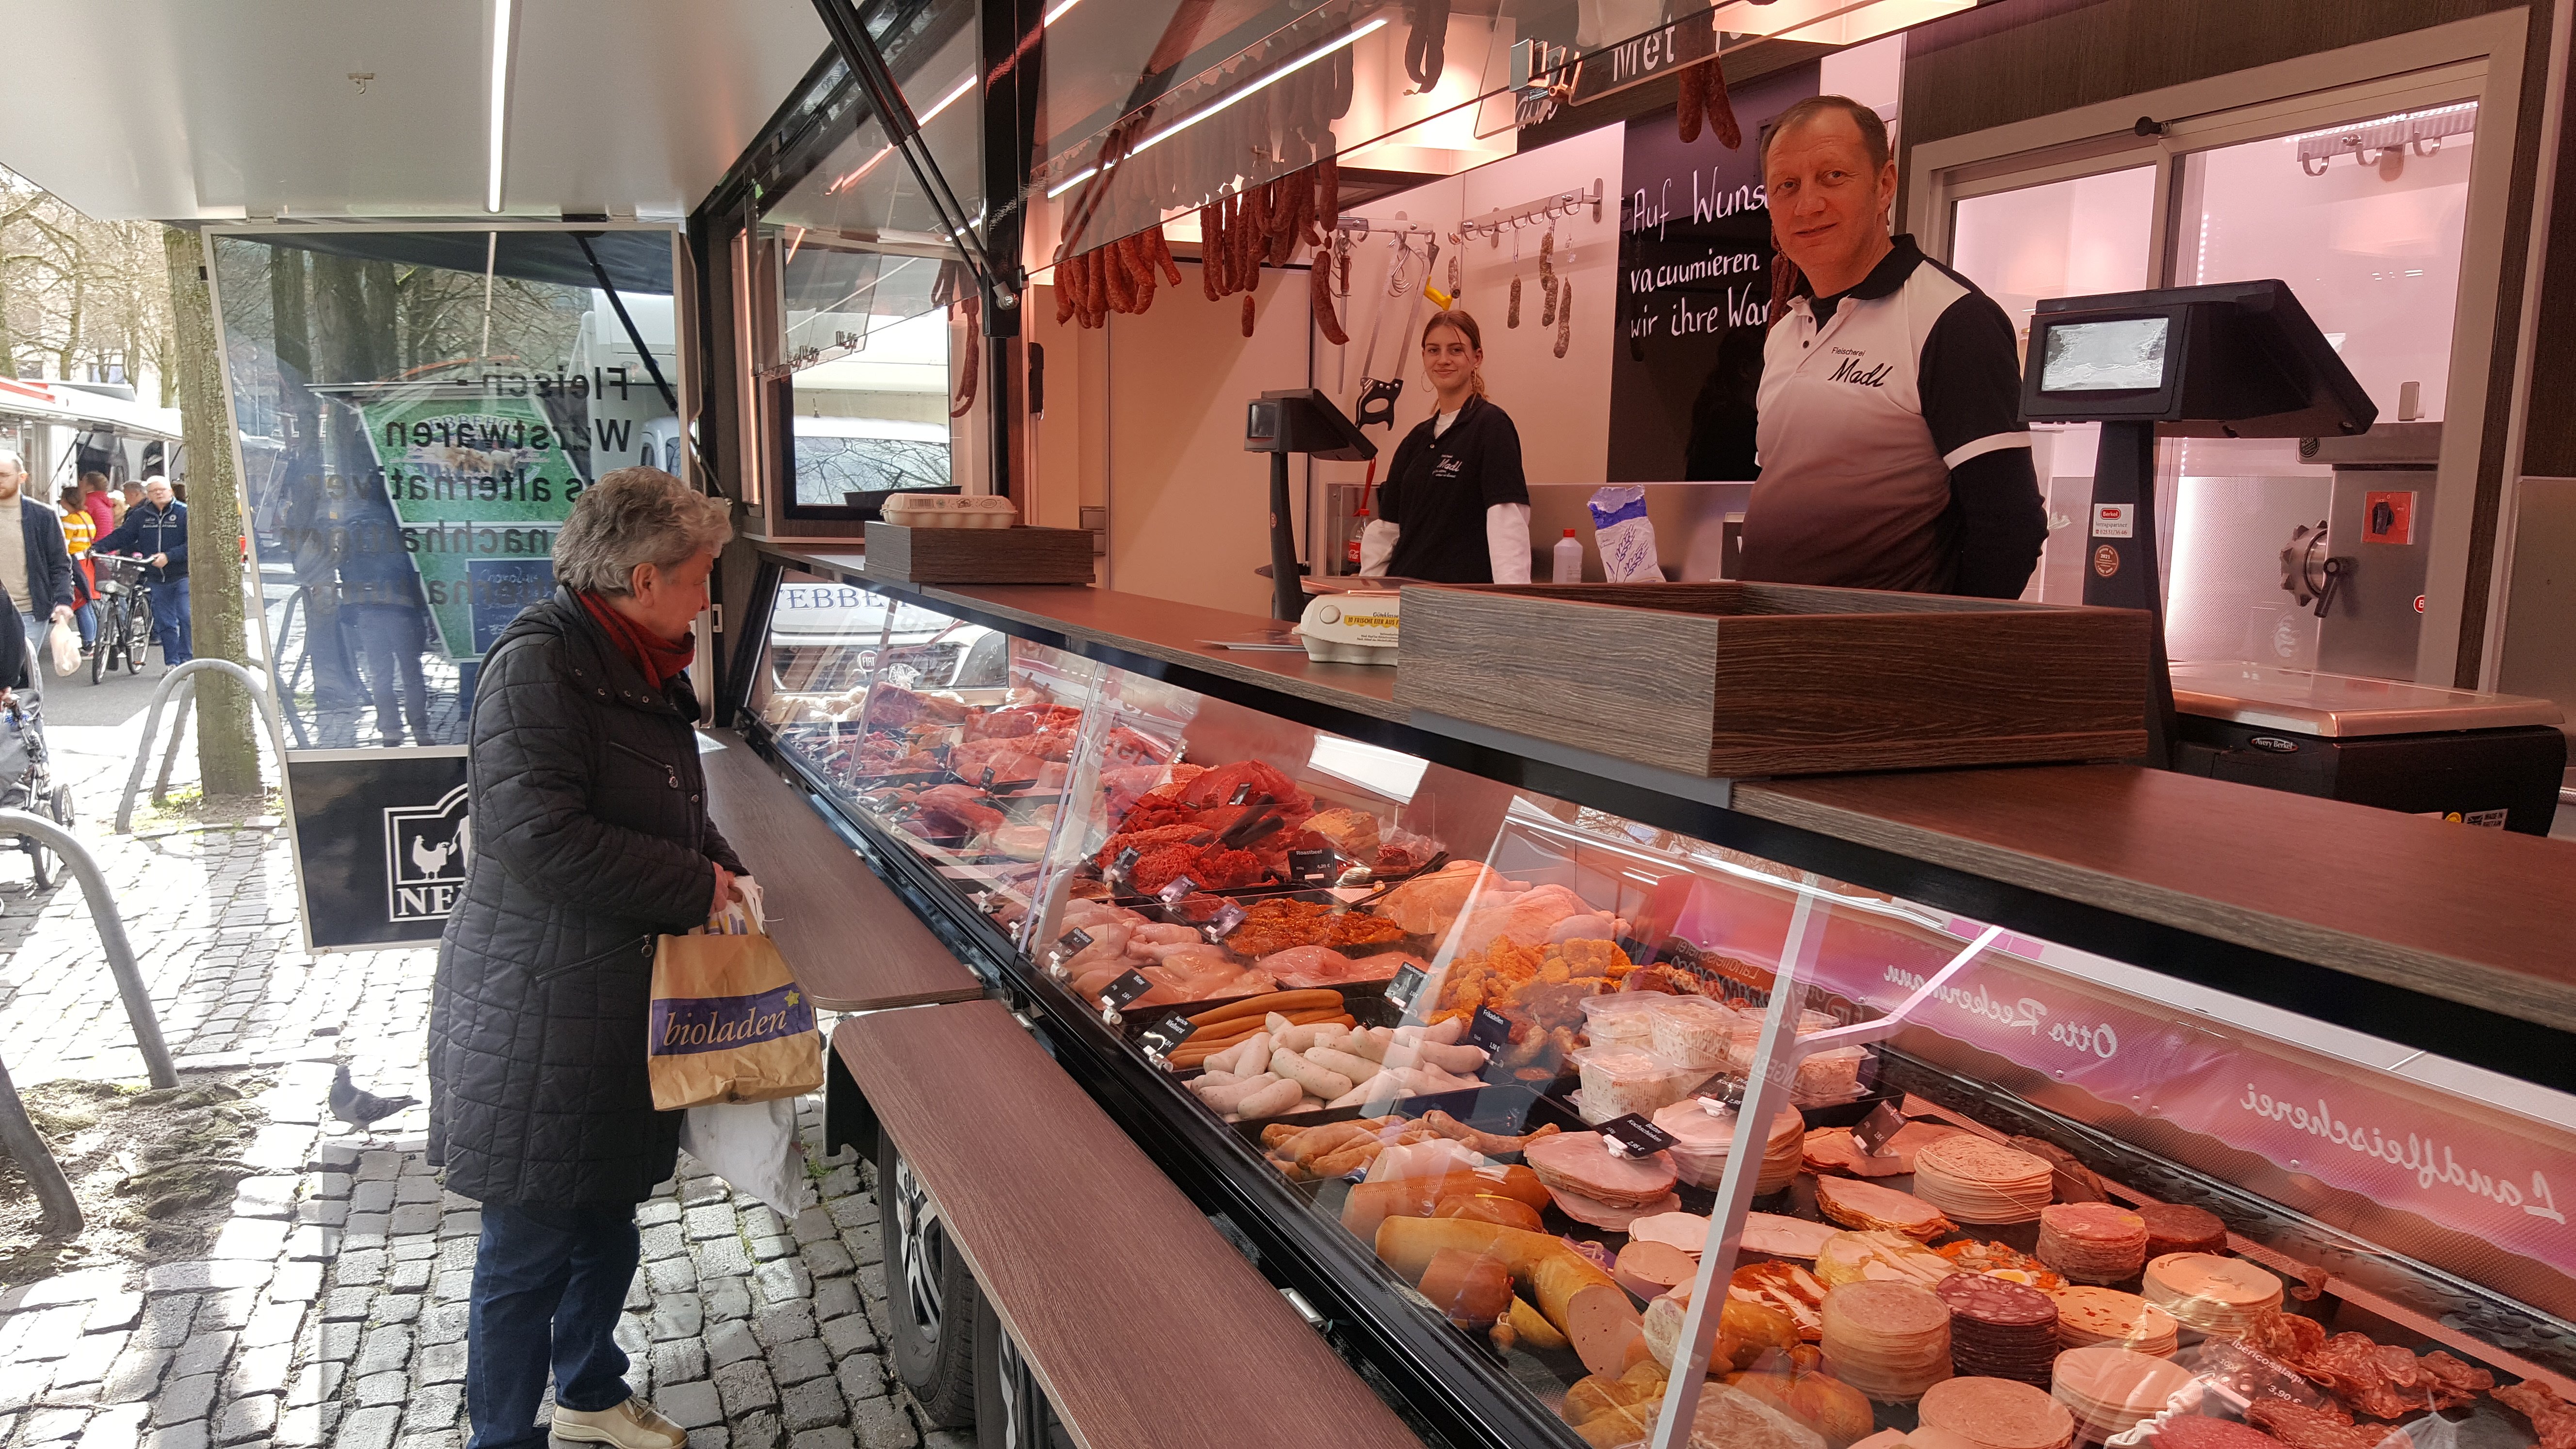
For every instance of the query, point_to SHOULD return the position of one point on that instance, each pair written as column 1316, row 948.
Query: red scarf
column 658, row 660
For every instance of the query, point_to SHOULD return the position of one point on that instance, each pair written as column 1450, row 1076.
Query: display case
column 1465, row 1062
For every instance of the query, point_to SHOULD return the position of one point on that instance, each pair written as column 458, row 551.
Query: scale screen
column 2121, row 356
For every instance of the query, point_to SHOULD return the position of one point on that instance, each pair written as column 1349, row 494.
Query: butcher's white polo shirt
column 1862, row 419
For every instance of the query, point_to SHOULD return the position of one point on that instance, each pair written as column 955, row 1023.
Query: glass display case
column 1467, row 1064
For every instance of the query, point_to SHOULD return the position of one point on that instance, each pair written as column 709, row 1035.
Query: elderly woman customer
column 591, row 839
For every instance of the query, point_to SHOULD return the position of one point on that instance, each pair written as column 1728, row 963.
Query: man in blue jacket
column 35, row 567
column 157, row 528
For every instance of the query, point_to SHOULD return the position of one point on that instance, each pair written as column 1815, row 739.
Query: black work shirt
column 1437, row 490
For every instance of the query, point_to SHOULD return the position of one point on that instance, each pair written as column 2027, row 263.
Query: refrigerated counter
column 2339, row 1032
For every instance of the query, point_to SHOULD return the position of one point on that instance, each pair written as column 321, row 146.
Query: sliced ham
column 1583, row 1164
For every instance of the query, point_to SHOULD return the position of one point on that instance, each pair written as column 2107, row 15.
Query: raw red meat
column 1012, row 759
column 893, row 707
column 971, row 811
column 1217, row 787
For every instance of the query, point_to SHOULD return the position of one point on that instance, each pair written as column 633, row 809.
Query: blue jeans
column 549, row 1282
column 87, row 617
column 170, row 620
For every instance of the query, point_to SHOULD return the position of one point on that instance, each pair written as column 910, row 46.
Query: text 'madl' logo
column 425, row 850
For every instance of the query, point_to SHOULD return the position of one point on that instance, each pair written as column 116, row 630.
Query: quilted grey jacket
column 591, row 839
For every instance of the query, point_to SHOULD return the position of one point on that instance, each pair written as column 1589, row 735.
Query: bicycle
column 124, row 618
column 27, row 781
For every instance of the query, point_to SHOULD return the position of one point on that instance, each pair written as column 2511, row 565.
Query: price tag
column 1406, row 986
column 1180, row 886
column 988, row 777
column 1309, row 864
column 1634, row 1136
column 1870, row 1133
column 1162, row 1036
column 1126, row 988
column 1221, row 925
column 1074, row 940
column 1125, row 862
column 1490, row 1029
column 1241, row 793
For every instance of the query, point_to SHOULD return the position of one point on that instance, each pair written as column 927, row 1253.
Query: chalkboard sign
column 1694, row 293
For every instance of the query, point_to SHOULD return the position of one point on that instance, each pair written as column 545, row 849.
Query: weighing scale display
column 2121, row 356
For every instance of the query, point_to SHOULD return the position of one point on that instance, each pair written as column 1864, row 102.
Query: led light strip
column 926, row 117
column 500, row 101
column 1194, row 117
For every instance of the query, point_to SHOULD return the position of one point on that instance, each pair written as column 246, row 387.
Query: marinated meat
column 1278, row 925
column 1211, row 866
column 1218, row 786
column 1141, row 841
column 1352, row 832
column 2552, row 1417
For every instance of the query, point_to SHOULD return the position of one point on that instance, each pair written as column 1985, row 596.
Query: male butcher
column 1891, row 448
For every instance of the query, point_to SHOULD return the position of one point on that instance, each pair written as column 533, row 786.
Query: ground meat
column 1213, row 867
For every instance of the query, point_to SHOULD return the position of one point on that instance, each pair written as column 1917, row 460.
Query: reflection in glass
column 422, row 409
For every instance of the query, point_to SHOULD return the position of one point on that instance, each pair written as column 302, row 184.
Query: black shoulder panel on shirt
column 1970, row 374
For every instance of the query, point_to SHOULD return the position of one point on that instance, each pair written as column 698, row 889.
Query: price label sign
column 1221, row 925
column 1180, row 886
column 1241, row 793
column 1490, row 1029
column 1309, row 864
column 1074, row 940
column 1125, row 862
column 1634, row 1136
column 1126, row 988
column 988, row 777
column 1872, row 1132
column 1162, row 1036
column 1406, row 986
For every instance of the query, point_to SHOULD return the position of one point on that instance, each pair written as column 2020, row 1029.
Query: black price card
column 1241, row 793
column 1074, row 940
column 1125, row 862
column 1126, row 988
column 1166, row 1034
column 1308, row 864
column 1634, row 1136
column 1490, row 1030
column 988, row 777
column 1871, row 1133
column 1221, row 925
column 1406, row 986
column 1180, row 886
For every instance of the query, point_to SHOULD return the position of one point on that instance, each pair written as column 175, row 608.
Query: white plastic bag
column 1624, row 536
column 63, row 642
column 753, row 1147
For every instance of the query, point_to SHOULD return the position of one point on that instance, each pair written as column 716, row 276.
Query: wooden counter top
column 853, row 945
column 2477, row 916
column 1145, row 1328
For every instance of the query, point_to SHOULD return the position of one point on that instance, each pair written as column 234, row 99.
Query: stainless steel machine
column 2362, row 568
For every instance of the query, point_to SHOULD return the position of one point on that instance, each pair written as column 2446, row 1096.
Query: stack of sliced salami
column 2092, row 1242
column 2173, row 1227
column 1999, row 1330
column 1998, row 1413
column 1891, row 1341
column 1978, row 1181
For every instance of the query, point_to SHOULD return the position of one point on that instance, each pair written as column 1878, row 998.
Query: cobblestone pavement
column 331, row 1307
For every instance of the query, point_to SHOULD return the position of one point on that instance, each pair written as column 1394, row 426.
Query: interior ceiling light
column 924, row 119
column 500, row 100
column 1056, row 11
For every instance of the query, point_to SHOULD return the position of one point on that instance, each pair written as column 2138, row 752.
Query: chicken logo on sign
column 425, row 852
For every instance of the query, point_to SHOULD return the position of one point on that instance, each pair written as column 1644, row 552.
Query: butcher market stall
column 2087, row 1096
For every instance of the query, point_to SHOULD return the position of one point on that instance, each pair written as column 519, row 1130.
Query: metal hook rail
column 1565, row 203
column 152, row 725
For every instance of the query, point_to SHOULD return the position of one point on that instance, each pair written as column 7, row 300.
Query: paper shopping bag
column 729, row 1024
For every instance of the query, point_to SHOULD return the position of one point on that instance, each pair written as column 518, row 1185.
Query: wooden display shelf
column 1729, row 680
column 978, row 555
column 852, row 944
column 1143, row 1325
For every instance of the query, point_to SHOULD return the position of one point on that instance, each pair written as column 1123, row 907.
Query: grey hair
column 635, row 516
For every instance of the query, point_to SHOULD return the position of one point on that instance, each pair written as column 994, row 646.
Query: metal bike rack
column 25, row 1144
column 152, row 725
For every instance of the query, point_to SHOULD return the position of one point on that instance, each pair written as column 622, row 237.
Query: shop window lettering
column 2025, row 1015
column 2417, row 1156
column 1709, row 201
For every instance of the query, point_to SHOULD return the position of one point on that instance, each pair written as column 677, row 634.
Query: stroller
column 27, row 779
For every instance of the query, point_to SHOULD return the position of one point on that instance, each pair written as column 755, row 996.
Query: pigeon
column 360, row 1109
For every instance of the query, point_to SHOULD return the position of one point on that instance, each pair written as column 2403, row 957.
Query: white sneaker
column 633, row 1424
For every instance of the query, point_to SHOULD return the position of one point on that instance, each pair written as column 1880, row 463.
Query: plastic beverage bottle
column 1569, row 559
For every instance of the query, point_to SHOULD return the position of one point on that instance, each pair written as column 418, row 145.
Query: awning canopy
column 49, row 403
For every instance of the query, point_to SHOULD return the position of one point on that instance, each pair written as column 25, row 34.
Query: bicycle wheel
column 139, row 635
column 98, row 651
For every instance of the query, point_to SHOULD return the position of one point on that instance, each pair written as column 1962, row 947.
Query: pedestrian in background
column 131, row 495
column 79, row 532
column 100, row 502
column 157, row 528
column 591, row 840
column 34, row 566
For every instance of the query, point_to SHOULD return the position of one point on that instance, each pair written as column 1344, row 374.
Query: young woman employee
column 1454, row 508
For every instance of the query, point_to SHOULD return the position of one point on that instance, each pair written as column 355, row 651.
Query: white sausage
column 1357, row 1068
column 1322, row 1081
column 1271, row 1100
column 1232, row 1096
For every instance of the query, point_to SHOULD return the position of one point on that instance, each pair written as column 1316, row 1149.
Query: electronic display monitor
column 2239, row 359
column 2116, row 356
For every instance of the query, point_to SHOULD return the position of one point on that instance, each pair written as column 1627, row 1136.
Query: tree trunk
column 227, row 739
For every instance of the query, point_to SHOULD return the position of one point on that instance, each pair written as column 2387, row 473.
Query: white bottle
column 1569, row 560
